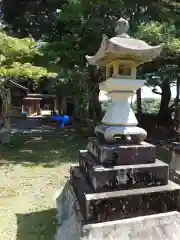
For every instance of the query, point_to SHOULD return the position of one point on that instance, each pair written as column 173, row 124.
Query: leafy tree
column 24, row 18
column 16, row 58
column 80, row 26
column 164, row 71
column 85, row 22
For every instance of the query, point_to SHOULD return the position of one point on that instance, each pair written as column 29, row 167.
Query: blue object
column 25, row 114
column 62, row 119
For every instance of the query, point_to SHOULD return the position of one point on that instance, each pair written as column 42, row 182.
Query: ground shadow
column 48, row 149
column 36, row 225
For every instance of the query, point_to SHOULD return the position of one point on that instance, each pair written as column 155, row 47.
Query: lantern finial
column 122, row 26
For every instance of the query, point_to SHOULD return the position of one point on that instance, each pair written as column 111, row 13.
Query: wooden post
column 64, row 105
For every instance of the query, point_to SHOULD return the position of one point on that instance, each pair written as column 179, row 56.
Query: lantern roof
column 123, row 47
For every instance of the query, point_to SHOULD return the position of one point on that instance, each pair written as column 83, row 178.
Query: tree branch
column 18, row 85
column 156, row 92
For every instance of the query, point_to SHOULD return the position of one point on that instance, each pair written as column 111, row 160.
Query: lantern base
column 120, row 134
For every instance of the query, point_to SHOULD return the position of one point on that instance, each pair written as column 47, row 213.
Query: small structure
column 119, row 187
column 17, row 94
column 34, row 103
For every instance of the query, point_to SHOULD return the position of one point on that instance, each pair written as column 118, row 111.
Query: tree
column 16, row 56
column 86, row 22
column 164, row 71
column 81, row 22
column 24, row 18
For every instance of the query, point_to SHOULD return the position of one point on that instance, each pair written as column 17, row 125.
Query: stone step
column 123, row 176
column 163, row 226
column 116, row 154
column 116, row 205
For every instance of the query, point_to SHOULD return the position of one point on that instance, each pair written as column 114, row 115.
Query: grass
column 32, row 169
column 46, row 150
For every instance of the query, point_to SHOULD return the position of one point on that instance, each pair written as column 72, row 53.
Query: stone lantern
column 121, row 55
column 120, row 190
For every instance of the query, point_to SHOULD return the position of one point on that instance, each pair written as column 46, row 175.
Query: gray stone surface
column 164, row 226
column 68, row 215
column 113, row 134
column 175, row 161
column 124, row 47
column 108, row 206
column 119, row 154
column 124, row 176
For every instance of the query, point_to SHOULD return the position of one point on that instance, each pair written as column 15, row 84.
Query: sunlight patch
column 54, row 151
column 26, row 151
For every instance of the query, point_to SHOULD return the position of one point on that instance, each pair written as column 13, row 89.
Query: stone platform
column 115, row 191
column 154, row 227
column 72, row 227
column 123, row 176
column 116, row 205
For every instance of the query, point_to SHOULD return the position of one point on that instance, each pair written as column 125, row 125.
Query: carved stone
column 122, row 48
column 114, row 134
column 109, row 206
column 123, row 177
column 122, row 55
column 119, row 154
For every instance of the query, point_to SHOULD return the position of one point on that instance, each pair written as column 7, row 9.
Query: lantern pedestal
column 119, row 121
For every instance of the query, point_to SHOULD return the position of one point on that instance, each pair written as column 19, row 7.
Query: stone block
column 123, row 176
column 116, row 154
column 153, row 227
column 175, row 160
column 109, row 206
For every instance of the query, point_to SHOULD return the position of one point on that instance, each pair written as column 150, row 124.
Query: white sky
column 145, row 93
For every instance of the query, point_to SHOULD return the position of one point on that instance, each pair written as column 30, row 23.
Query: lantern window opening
column 124, row 70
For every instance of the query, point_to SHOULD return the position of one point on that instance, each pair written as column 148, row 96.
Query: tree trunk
column 139, row 105
column 164, row 115
column 5, row 94
column 95, row 111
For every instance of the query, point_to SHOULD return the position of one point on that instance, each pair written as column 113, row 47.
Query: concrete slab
column 165, row 226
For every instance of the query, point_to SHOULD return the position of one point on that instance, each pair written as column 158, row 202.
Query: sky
column 146, row 92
